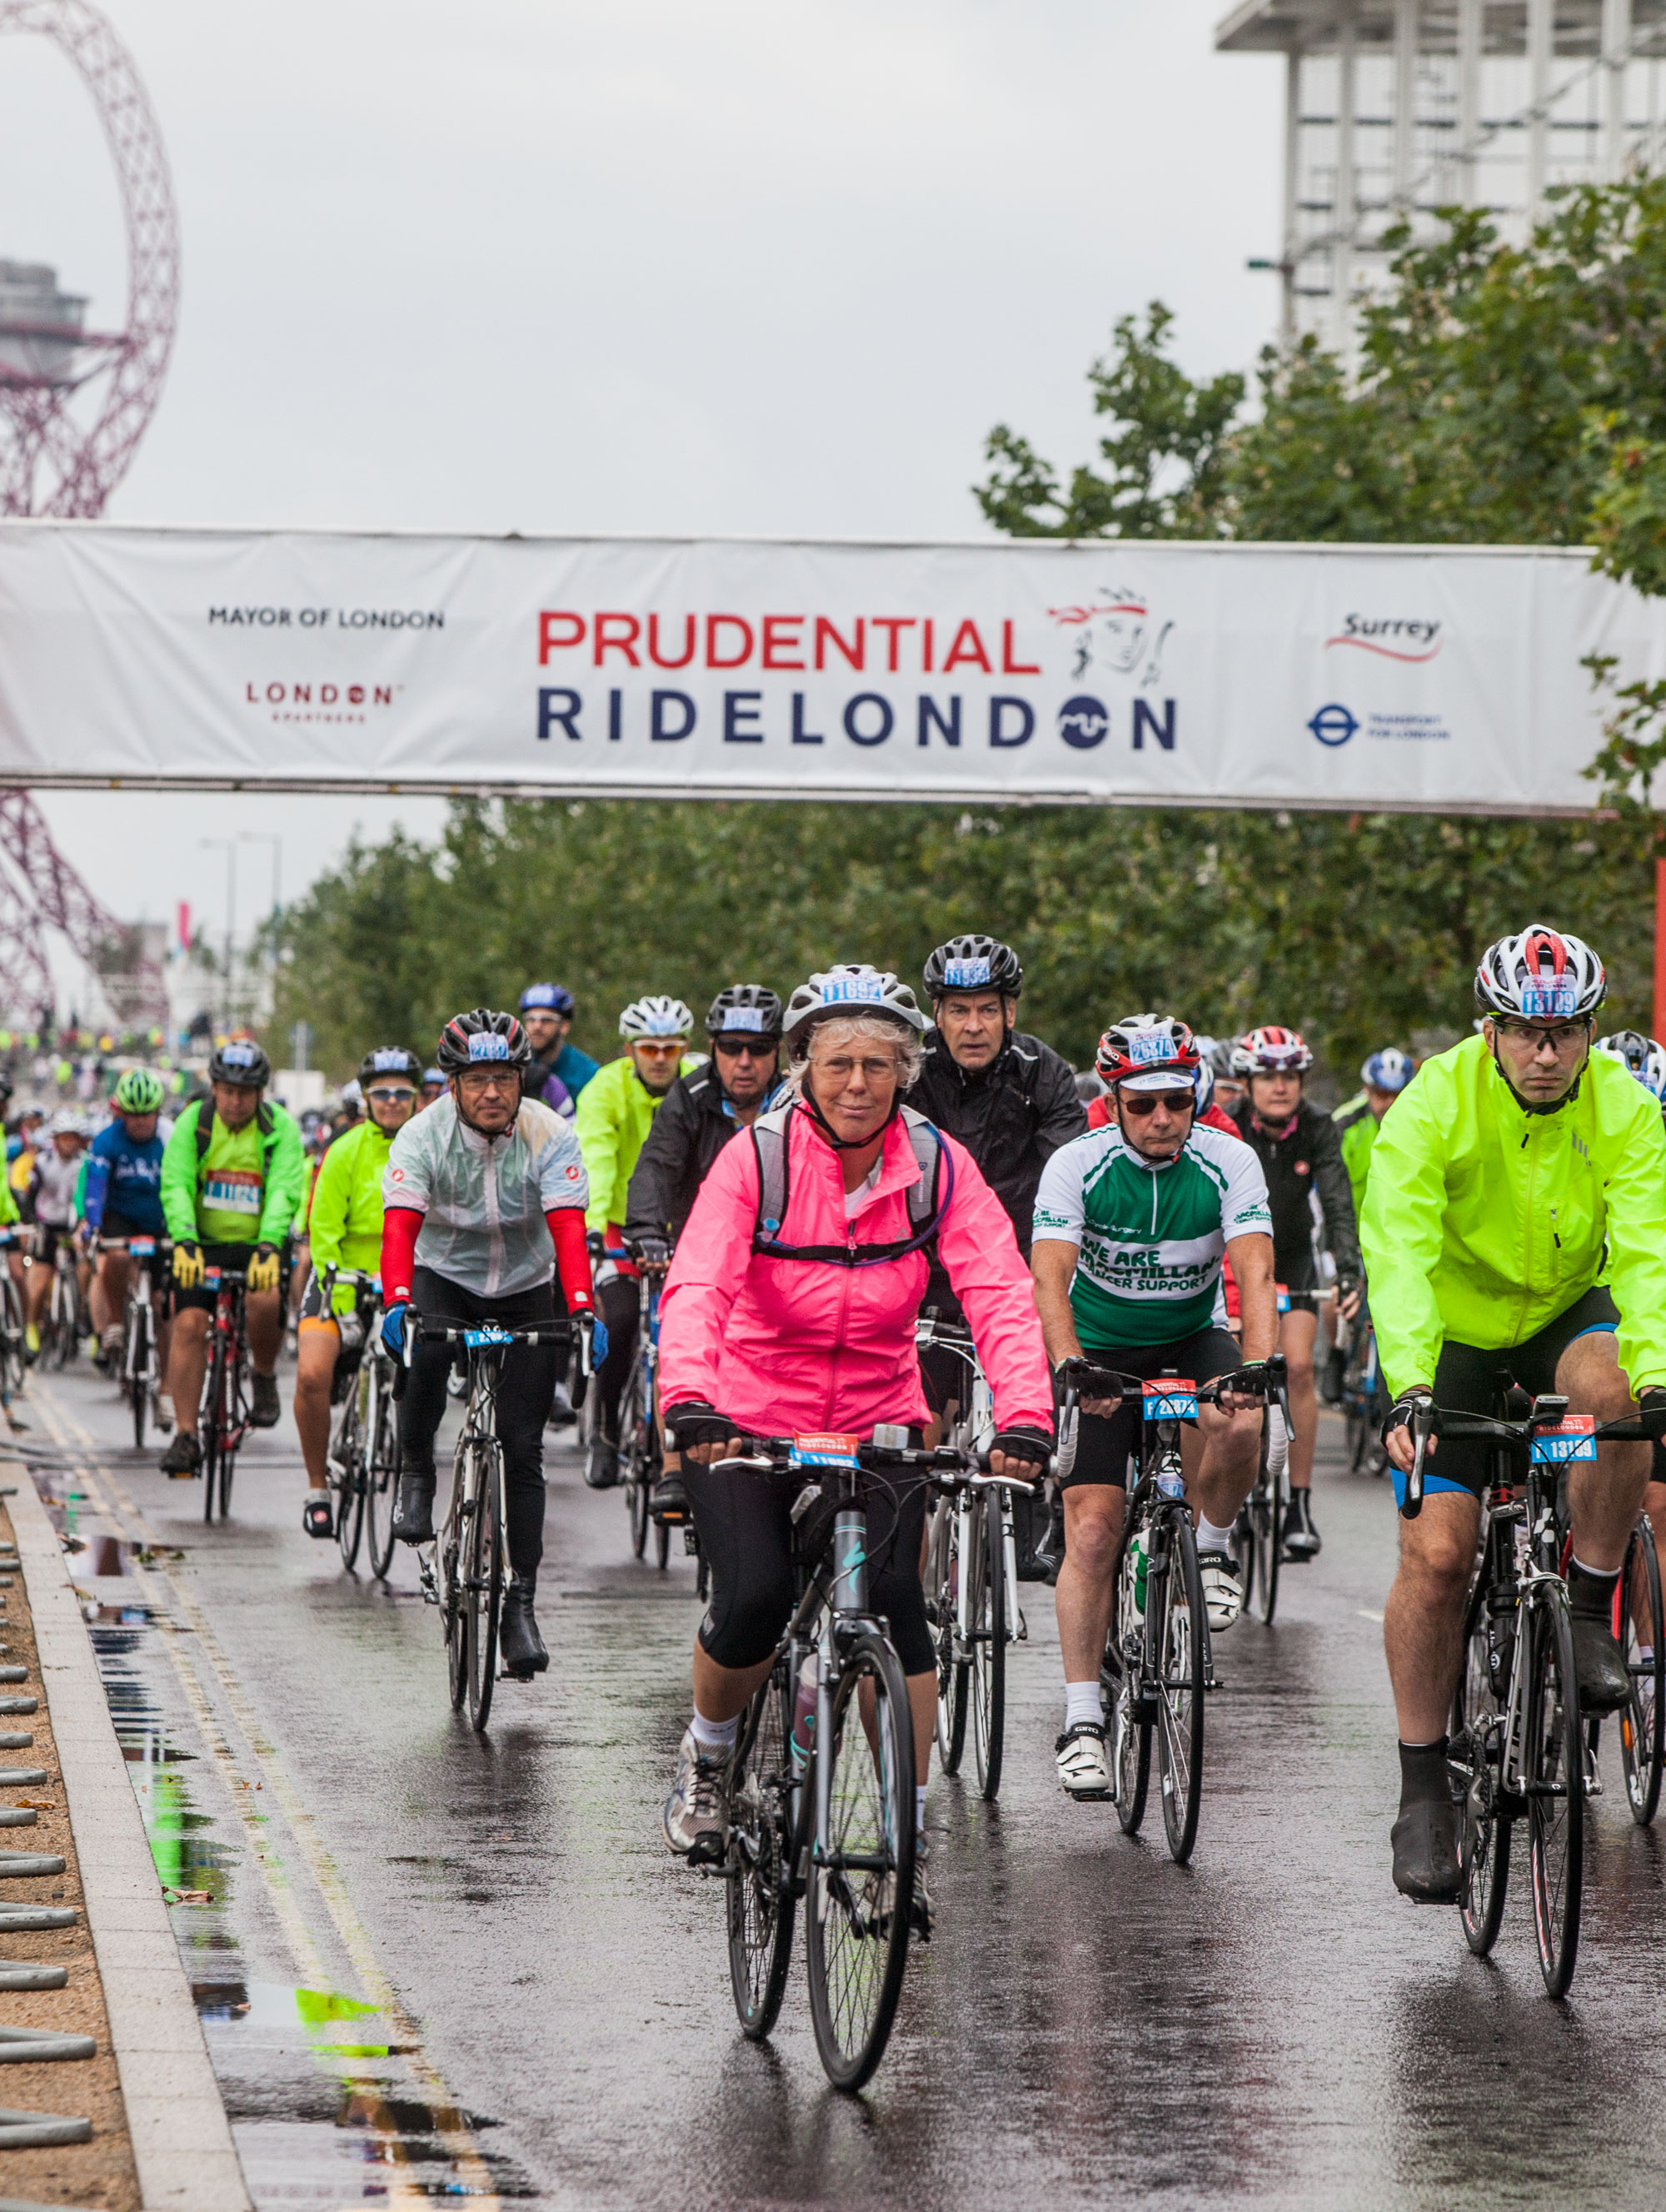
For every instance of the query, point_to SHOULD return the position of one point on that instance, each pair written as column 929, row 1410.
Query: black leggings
column 747, row 1533
column 621, row 1305
column 526, row 1392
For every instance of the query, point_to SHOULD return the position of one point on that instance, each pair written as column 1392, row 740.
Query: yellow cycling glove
column 263, row 1269
column 187, row 1266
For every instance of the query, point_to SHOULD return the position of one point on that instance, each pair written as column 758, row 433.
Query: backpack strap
column 926, row 1206
column 204, row 1128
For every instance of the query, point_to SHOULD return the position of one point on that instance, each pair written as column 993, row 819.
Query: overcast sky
column 753, row 266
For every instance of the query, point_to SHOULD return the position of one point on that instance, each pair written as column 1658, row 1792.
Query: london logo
column 1334, row 725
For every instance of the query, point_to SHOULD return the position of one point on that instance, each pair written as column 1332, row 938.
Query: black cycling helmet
column 240, row 1061
column 974, row 963
column 389, row 1059
column 748, row 1007
column 480, row 1036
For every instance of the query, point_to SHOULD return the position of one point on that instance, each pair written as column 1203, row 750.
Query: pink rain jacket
column 787, row 1346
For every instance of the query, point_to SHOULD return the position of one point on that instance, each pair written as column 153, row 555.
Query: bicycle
column 61, row 1328
column 1362, row 1413
column 822, row 1809
column 14, row 1347
column 1258, row 1530
column 1639, row 1624
column 141, row 1371
column 1158, row 1665
column 463, row 1571
column 362, row 1460
column 1517, row 1749
column 223, row 1419
column 642, row 1452
column 971, row 1586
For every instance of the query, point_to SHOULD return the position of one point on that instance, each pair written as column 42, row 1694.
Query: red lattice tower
column 51, row 461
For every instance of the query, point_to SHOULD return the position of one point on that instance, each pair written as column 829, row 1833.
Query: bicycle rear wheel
column 485, row 1584
column 232, row 1423
column 1554, row 1761
column 210, row 1433
column 944, row 1581
column 1120, row 1677
column 348, row 1483
column 1180, row 1692
column 381, row 1429
column 861, row 1894
column 1640, row 1723
column 135, row 1361
column 761, row 1903
column 1477, row 1744
column 989, row 1668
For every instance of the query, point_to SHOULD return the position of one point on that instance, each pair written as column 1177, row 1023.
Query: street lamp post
column 230, row 845
column 270, row 837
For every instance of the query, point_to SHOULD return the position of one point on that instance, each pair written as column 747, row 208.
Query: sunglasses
column 385, row 1096
column 1565, row 1039
column 733, row 1047
column 1141, row 1105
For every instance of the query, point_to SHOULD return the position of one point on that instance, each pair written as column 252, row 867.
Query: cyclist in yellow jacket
column 345, row 1220
column 616, row 1111
column 1515, row 1219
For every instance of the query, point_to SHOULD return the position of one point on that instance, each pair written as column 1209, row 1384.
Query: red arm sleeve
column 400, row 1224
column 572, row 1257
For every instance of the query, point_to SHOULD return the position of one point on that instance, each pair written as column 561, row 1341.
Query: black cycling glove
column 1024, row 1443
column 695, row 1422
column 652, row 1251
column 1400, row 1414
column 1651, row 1410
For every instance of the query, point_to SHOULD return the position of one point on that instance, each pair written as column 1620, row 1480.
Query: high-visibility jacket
column 616, row 1111
column 345, row 1215
column 1483, row 1222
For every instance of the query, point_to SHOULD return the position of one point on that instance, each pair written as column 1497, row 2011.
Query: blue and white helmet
column 655, row 1016
column 1640, row 1055
column 849, row 987
column 1388, row 1070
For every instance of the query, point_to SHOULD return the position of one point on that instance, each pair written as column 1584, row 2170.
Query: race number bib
column 232, row 1190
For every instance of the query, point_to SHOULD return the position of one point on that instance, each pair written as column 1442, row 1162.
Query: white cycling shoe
column 1223, row 1589
column 1081, row 1761
column 696, row 1815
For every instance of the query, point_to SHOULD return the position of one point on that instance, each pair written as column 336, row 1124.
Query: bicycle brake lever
column 1414, row 1504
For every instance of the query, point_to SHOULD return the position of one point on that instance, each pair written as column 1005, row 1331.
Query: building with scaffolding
column 1394, row 108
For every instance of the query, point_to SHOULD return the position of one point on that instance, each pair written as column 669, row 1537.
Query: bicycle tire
column 136, row 1365
column 1553, row 1748
column 1180, row 1692
column 348, row 1485
column 231, row 1384
column 952, row 1673
column 761, row 1905
column 662, row 1545
column 1131, row 1722
column 485, row 1587
column 1640, row 1726
column 208, row 1429
column 381, row 1470
column 1268, row 1498
column 862, row 1896
column 1476, row 1744
column 987, row 1680
column 450, row 1559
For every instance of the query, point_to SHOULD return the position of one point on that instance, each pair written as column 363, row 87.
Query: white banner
column 1106, row 673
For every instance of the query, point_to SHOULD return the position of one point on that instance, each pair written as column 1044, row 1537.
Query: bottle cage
column 925, row 1207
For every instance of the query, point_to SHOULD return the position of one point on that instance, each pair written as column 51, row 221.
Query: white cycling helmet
column 1541, row 975
column 1640, row 1055
column 849, row 987
column 66, row 1122
column 655, row 1016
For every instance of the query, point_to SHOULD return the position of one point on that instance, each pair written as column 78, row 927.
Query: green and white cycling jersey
column 1150, row 1237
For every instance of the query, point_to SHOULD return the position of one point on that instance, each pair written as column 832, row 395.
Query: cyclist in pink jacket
column 779, row 1323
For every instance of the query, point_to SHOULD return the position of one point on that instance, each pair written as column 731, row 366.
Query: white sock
column 920, row 1809
column 715, row 1735
column 1211, row 1538
column 1645, row 1653
column 1596, row 1574
column 1082, row 1703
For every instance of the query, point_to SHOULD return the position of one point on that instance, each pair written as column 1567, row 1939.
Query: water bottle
column 802, row 1739
column 1141, row 1552
column 352, row 1326
column 1170, row 1482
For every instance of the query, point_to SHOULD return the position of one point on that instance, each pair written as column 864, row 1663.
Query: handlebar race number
column 1574, row 1437
column 477, row 1337
column 1170, row 1400
column 825, row 1449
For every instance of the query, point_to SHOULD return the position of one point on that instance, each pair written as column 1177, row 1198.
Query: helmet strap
column 1539, row 1105
column 846, row 1143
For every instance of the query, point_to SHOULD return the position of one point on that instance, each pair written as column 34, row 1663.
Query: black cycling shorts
column 1466, row 1380
column 1105, row 1442
column 112, row 1223
column 747, row 1533
column 203, row 1295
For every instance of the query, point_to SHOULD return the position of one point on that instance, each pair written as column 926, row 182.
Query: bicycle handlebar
column 947, row 1466
column 1429, row 1421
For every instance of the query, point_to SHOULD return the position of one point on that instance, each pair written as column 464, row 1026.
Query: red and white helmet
column 1148, row 1051
column 1271, row 1052
column 1541, row 975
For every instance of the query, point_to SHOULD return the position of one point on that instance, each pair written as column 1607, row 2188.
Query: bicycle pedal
column 708, row 1850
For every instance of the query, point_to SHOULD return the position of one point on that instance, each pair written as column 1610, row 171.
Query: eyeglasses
column 673, row 1047
column 1566, row 1038
column 386, row 1095
column 1141, row 1105
column 842, row 1069
column 754, row 1047
column 483, row 1079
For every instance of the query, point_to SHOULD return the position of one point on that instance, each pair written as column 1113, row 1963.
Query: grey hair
column 848, row 1028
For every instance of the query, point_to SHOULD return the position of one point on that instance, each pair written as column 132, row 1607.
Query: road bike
column 971, row 1582
column 642, row 1451
column 1362, row 1410
column 222, row 1420
column 141, row 1371
column 822, row 1783
column 1158, row 1665
column 464, row 1569
column 1517, row 1749
column 14, row 1348
column 362, row 1460
column 1258, row 1530
column 61, row 1323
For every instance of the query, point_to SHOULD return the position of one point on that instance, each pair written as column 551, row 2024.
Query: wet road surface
column 433, row 1966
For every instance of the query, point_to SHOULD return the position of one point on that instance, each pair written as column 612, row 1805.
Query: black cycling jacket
column 690, row 1130
column 1012, row 1116
column 1310, row 1159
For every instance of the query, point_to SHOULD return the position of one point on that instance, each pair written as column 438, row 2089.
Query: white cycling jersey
column 55, row 1180
column 483, row 1200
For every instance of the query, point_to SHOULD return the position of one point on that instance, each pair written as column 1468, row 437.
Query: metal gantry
column 1394, row 108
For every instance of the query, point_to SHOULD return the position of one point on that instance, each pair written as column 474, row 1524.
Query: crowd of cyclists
column 801, row 1179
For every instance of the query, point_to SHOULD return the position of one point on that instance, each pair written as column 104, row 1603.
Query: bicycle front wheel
column 211, row 1434
column 861, row 1888
column 136, row 1364
column 989, row 1668
column 484, row 1585
column 1475, row 1748
column 1266, row 1504
column 943, row 1582
column 381, row 1465
column 1554, row 1763
column 1180, row 1692
column 1640, row 1723
column 452, row 1561
column 350, row 1484
column 761, row 1905
column 1122, row 1680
